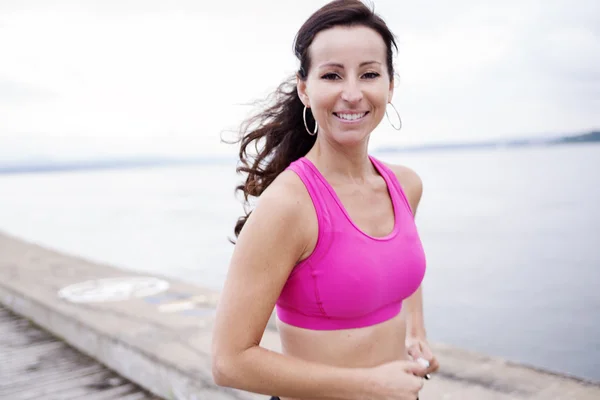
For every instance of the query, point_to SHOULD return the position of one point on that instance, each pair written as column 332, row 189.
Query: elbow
column 224, row 370
column 220, row 373
column 228, row 366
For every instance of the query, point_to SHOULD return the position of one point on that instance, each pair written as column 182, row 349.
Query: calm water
column 512, row 240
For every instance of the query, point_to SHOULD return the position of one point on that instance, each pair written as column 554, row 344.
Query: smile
column 350, row 117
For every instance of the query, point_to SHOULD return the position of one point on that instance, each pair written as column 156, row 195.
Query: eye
column 371, row 75
column 330, row 76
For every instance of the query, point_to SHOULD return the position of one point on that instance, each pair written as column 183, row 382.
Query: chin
column 351, row 138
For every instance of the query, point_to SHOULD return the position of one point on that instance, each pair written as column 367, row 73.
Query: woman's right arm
column 270, row 244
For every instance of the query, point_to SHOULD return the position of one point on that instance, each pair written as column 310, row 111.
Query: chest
column 368, row 207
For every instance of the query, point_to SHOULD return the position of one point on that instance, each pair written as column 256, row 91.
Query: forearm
column 263, row 371
column 415, row 319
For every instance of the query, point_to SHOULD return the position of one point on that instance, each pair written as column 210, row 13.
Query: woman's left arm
column 416, row 335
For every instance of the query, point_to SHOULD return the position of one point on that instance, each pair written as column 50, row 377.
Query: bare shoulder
column 286, row 185
column 286, row 198
column 280, row 214
column 411, row 183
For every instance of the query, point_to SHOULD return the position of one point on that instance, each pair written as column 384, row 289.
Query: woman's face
column 348, row 85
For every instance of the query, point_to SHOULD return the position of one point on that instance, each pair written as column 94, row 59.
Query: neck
column 342, row 163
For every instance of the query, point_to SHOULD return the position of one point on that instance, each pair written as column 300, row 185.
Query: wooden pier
column 35, row 365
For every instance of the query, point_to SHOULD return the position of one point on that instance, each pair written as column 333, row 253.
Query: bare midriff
column 350, row 348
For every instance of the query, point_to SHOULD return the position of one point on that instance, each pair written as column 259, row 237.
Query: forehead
column 347, row 45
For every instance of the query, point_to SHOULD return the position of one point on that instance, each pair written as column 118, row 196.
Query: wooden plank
column 35, row 365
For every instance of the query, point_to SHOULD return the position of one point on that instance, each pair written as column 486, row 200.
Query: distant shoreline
column 105, row 164
column 591, row 137
column 50, row 166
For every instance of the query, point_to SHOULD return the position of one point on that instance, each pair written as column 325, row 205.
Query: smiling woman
column 332, row 244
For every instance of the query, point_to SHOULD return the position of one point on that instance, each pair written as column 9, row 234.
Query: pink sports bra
column 351, row 279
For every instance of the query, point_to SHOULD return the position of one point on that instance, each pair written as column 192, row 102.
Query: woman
column 332, row 242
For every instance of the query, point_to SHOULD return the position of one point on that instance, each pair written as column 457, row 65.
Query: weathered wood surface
column 35, row 365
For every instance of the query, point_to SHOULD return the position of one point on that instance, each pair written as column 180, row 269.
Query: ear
column 301, row 89
column 391, row 91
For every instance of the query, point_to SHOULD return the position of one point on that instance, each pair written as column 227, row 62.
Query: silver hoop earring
column 399, row 119
column 306, row 125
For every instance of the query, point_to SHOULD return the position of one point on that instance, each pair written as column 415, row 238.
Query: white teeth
column 351, row 117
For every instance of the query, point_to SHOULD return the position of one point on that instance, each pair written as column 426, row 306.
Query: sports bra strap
column 396, row 191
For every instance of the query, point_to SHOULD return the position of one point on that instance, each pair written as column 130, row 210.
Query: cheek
column 381, row 93
column 321, row 90
column 322, row 103
column 379, row 101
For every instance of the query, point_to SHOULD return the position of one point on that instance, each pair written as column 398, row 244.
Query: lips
column 350, row 116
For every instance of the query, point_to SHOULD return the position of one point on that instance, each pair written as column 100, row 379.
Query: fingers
column 417, row 385
column 426, row 353
column 416, row 368
column 420, row 387
column 424, row 356
column 423, row 362
column 433, row 365
column 414, row 351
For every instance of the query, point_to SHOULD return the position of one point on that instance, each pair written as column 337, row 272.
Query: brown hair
column 279, row 128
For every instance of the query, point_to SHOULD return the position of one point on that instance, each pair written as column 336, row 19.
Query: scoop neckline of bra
column 388, row 184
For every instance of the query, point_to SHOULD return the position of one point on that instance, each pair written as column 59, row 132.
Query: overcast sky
column 172, row 75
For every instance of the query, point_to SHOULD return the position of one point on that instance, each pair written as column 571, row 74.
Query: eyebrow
column 333, row 64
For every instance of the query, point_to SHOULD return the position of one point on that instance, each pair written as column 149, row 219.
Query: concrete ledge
column 162, row 341
column 164, row 352
column 152, row 373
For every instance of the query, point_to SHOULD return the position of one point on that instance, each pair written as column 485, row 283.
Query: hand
column 397, row 380
column 417, row 347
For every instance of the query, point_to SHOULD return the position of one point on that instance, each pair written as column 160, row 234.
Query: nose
column 352, row 92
